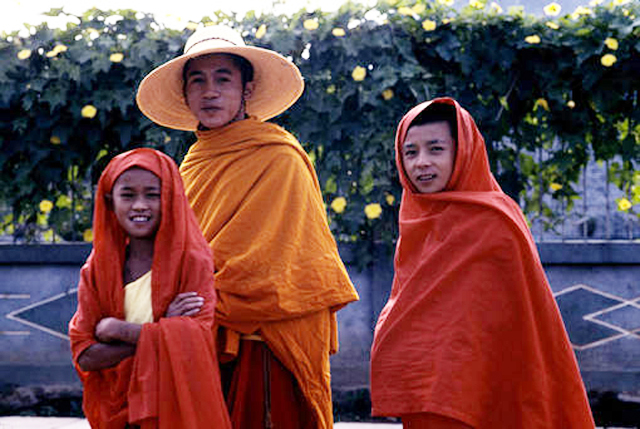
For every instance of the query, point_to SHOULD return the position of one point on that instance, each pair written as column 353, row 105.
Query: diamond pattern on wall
column 594, row 318
column 50, row 315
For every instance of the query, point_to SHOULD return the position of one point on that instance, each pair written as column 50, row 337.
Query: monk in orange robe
column 471, row 336
column 255, row 193
column 141, row 337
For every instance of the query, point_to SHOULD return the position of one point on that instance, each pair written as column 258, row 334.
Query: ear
column 248, row 90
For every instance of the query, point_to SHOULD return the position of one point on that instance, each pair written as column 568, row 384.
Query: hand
column 107, row 329
column 185, row 304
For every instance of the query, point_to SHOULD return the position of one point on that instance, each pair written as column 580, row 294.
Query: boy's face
column 136, row 197
column 214, row 90
column 428, row 156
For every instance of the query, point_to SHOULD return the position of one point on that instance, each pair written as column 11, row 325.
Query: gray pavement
column 18, row 422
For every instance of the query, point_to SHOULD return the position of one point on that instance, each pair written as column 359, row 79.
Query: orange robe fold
column 173, row 379
column 471, row 330
column 257, row 199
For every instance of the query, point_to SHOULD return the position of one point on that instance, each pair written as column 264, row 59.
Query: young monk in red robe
column 141, row 337
column 255, row 193
column 471, row 336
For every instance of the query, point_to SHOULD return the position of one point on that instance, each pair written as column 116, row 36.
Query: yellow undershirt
column 137, row 300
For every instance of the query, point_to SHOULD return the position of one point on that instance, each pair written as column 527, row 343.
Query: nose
column 139, row 204
column 211, row 89
column 423, row 160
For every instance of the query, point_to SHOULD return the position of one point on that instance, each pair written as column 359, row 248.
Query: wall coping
column 577, row 252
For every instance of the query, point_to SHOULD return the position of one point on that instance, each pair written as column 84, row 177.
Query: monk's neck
column 139, row 259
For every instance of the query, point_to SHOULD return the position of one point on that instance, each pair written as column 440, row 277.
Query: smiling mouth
column 426, row 177
column 140, row 218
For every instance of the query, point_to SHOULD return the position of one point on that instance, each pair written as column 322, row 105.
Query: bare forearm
column 102, row 355
column 110, row 330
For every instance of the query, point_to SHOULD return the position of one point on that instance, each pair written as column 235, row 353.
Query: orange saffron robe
column 173, row 379
column 471, row 330
column 257, row 199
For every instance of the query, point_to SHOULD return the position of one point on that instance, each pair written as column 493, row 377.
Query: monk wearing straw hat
column 255, row 193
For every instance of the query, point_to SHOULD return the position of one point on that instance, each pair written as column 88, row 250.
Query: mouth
column 140, row 218
column 210, row 109
column 426, row 177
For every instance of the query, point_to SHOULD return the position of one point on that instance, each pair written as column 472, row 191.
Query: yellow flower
column 404, row 10
column 571, row 104
column 446, row 2
column 428, row 25
column 311, row 24
column 359, row 73
column 555, row 186
column 373, row 210
column 608, row 60
column 56, row 50
column 48, row 235
column 496, row 7
column 390, row 199
column 418, row 8
column 624, row 204
column 620, row 2
column 261, row 31
column 533, row 39
column 116, row 58
column 89, row 111
column 477, row 4
column 338, row 204
column 331, row 89
column 581, row 10
column 541, row 102
column 552, row 25
column 338, row 32
column 63, row 202
column 387, row 94
column 552, row 9
column 55, row 140
column 45, row 206
column 87, row 235
column 447, row 20
column 24, row 54
column 594, row 3
column 611, row 43
column 191, row 26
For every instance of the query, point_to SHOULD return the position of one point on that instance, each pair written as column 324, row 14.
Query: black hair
column 243, row 64
column 438, row 112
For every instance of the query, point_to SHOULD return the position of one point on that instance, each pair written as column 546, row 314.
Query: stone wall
column 597, row 286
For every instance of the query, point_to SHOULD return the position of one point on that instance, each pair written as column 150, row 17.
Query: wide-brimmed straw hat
column 278, row 82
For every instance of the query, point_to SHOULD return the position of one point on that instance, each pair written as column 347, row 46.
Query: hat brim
column 278, row 84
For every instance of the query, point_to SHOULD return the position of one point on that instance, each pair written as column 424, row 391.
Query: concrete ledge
column 590, row 252
column 42, row 254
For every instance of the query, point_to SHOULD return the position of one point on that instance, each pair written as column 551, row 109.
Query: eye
column 153, row 195
column 437, row 148
column 126, row 195
column 410, row 152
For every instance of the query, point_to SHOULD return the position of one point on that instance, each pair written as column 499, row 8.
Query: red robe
column 471, row 331
column 173, row 379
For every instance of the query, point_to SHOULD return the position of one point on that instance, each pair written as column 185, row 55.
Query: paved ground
column 15, row 422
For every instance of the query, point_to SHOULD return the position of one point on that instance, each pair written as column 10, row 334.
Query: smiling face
column 214, row 90
column 136, row 199
column 428, row 156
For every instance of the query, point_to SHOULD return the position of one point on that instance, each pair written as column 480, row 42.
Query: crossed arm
column 118, row 338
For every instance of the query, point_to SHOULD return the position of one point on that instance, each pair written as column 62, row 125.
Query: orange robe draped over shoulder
column 471, row 330
column 258, row 201
column 173, row 379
